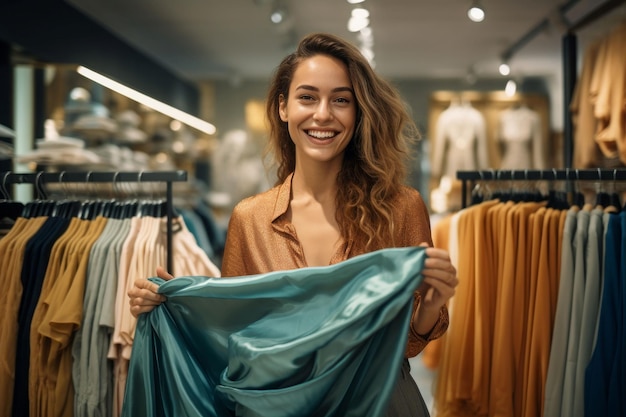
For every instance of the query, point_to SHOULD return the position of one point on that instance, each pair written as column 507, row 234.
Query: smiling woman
column 341, row 136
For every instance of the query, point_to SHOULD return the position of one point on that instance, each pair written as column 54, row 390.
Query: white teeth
column 321, row 134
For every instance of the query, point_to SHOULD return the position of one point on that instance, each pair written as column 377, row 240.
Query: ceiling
column 234, row 39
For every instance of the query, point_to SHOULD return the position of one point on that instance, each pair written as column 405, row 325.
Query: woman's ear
column 282, row 108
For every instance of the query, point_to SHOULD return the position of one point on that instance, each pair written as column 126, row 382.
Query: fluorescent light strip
column 157, row 105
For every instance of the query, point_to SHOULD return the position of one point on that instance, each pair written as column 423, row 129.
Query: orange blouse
column 260, row 239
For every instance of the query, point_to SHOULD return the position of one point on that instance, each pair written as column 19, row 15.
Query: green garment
column 318, row 341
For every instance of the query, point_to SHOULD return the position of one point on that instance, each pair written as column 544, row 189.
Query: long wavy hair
column 374, row 167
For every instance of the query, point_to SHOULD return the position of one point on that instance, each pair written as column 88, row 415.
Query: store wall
column 51, row 31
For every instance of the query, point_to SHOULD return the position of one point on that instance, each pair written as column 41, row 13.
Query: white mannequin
column 519, row 133
column 460, row 142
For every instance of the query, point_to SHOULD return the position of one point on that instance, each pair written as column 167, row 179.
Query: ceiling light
column 147, row 101
column 476, row 13
column 368, row 53
column 360, row 12
column 504, row 69
column 359, row 19
column 356, row 24
column 355, row 1
column 278, row 15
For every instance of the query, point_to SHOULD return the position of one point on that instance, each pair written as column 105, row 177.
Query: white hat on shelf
column 5, row 132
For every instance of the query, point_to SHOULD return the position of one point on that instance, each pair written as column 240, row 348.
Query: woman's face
column 321, row 110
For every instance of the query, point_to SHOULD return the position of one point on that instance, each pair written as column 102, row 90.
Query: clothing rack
column 39, row 179
column 567, row 174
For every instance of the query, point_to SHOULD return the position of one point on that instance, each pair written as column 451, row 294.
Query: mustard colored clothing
column 507, row 336
column 11, row 259
column 60, row 310
column 458, row 375
column 609, row 106
column 261, row 239
column 495, row 359
column 586, row 151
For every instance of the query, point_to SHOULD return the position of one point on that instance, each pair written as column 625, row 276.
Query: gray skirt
column 406, row 399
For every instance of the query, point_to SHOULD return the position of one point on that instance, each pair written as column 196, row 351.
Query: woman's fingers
column 143, row 296
column 163, row 274
column 439, row 275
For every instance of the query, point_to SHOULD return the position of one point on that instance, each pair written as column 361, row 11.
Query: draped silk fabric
column 318, row 341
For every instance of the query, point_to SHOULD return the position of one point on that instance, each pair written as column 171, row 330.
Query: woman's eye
column 306, row 97
column 343, row 100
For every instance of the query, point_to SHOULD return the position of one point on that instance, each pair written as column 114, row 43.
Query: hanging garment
column 605, row 374
column 323, row 341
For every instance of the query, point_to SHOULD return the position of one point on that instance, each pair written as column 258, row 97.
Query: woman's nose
column 323, row 111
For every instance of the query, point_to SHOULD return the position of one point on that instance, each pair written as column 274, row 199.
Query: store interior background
column 213, row 59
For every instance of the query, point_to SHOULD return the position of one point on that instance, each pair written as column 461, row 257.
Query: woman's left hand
column 440, row 279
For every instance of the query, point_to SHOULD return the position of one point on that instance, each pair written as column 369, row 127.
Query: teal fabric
column 320, row 341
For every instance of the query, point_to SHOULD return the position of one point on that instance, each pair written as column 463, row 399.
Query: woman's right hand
column 143, row 296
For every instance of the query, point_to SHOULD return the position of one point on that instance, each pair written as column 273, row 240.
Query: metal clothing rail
column 537, row 175
column 39, row 179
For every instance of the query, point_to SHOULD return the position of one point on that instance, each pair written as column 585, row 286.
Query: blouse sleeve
column 417, row 342
column 415, row 229
column 233, row 260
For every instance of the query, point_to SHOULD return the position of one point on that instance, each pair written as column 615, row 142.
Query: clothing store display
column 460, row 141
column 61, row 155
column 542, row 278
column 59, row 142
column 520, row 137
column 128, row 130
column 66, row 328
column 73, row 301
column 95, row 123
column 328, row 342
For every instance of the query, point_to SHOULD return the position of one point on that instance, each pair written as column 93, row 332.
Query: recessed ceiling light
column 476, row 13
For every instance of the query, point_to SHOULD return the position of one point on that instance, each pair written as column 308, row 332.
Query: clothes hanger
column 41, row 206
column 557, row 199
column 9, row 209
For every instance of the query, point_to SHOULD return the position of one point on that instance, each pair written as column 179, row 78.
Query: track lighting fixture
column 476, row 13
